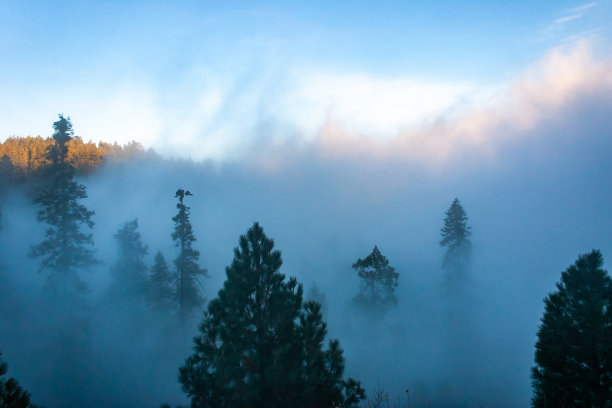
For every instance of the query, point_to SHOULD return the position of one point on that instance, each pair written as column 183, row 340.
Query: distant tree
column 65, row 248
column 186, row 263
column 161, row 292
column 130, row 271
column 378, row 282
column 574, row 348
column 455, row 237
column 260, row 345
column 11, row 393
column 315, row 294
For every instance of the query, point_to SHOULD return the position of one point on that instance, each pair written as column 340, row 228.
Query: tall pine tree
column 186, row 263
column 130, row 271
column 455, row 237
column 65, row 249
column 574, row 348
column 260, row 345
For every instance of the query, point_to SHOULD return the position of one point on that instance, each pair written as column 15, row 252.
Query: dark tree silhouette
column 65, row 248
column 259, row 345
column 186, row 263
column 378, row 282
column 574, row 348
column 11, row 393
column 130, row 271
column 161, row 294
column 455, row 237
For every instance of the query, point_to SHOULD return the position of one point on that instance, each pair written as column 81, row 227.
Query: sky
column 208, row 81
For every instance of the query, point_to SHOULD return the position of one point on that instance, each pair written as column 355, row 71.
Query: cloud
column 540, row 93
column 568, row 18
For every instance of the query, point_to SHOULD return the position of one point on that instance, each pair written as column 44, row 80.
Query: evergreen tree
column 161, row 292
column 186, row 263
column 65, row 248
column 378, row 282
column 130, row 271
column 11, row 393
column 259, row 345
column 574, row 348
column 455, row 237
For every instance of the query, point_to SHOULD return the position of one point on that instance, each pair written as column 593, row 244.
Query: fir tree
column 574, row 348
column 130, row 271
column 259, row 345
column 65, row 248
column 455, row 237
column 378, row 282
column 11, row 393
column 186, row 263
column 161, row 292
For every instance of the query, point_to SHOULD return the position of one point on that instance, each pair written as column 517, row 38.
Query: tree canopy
column 261, row 345
column 378, row 282
column 574, row 348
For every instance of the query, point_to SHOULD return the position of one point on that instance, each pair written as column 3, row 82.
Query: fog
column 535, row 201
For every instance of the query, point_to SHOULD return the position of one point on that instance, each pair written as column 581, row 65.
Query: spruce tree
column 574, row 348
column 455, row 237
column 186, row 263
column 260, row 345
column 130, row 271
column 65, row 249
column 161, row 294
column 12, row 395
column 378, row 283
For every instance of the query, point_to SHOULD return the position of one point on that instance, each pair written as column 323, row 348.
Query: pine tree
column 574, row 348
column 455, row 237
column 130, row 271
column 378, row 283
column 161, row 293
column 11, row 393
column 186, row 263
column 65, row 248
column 259, row 345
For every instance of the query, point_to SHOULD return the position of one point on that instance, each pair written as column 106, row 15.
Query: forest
column 128, row 279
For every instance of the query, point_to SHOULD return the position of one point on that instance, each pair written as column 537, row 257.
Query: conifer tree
column 65, row 248
column 186, row 263
column 378, row 282
column 260, row 345
column 574, row 348
column 130, row 271
column 161, row 293
column 455, row 237
column 11, row 393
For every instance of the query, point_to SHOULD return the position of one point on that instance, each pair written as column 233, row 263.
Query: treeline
column 21, row 158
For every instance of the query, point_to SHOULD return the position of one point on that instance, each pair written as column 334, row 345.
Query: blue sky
column 203, row 79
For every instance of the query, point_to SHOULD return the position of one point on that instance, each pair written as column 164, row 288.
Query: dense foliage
column 261, row 345
column 574, row 347
column 21, row 158
column 12, row 395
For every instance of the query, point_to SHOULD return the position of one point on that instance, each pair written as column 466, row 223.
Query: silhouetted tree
column 130, row 271
column 455, row 237
column 315, row 294
column 574, row 348
column 259, row 345
column 11, row 393
column 162, row 296
column 187, row 268
column 378, row 282
column 65, row 248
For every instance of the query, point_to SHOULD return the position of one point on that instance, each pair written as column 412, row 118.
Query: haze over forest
column 330, row 164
